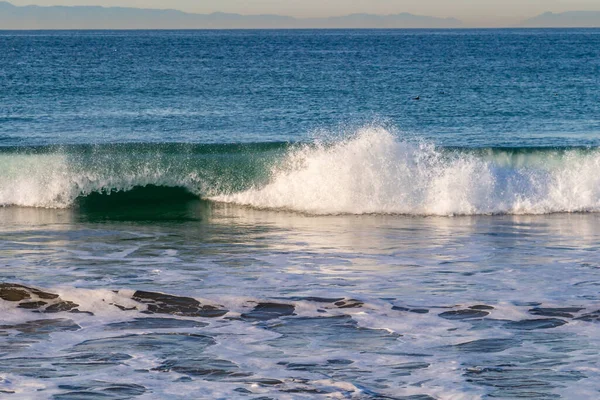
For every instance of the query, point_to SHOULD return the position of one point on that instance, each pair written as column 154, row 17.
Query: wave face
column 370, row 171
column 61, row 177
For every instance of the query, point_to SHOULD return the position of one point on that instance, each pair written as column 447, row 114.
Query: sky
column 472, row 12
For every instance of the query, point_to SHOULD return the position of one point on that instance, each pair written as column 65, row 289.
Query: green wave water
column 55, row 176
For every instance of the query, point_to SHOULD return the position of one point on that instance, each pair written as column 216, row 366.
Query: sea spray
column 373, row 171
column 370, row 171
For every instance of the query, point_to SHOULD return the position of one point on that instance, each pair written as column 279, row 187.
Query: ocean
column 303, row 214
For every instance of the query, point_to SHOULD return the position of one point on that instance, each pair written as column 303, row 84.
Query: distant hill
column 97, row 17
column 403, row 20
column 570, row 19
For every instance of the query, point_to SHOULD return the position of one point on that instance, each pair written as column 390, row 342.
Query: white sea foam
column 382, row 347
column 372, row 171
column 375, row 172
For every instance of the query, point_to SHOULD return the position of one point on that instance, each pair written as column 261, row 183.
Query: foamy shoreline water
column 304, row 307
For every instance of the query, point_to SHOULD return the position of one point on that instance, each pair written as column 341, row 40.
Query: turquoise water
column 300, row 214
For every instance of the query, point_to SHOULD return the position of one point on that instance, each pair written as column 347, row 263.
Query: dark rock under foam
column 16, row 292
column 412, row 310
column 488, row 345
column 565, row 312
column 43, row 326
column 590, row 317
column 155, row 323
column 464, row 314
column 35, row 299
column 533, row 324
column 161, row 303
column 267, row 311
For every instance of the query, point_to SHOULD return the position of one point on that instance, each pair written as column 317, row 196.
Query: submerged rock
column 487, row 345
column 43, row 326
column 349, row 303
column 464, row 314
column 161, row 303
column 205, row 367
column 533, row 324
column 337, row 302
column 410, row 366
column 161, row 345
column 590, row 317
column 481, row 307
column 317, row 299
column 267, row 311
column 566, row 312
column 100, row 389
column 412, row 310
column 155, row 323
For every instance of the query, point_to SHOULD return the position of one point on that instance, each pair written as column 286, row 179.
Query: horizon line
column 319, row 23
column 463, row 28
column 274, row 14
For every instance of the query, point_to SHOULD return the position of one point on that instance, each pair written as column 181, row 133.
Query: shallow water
column 330, row 306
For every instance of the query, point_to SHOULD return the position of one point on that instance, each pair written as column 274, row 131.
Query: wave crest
column 370, row 172
column 374, row 172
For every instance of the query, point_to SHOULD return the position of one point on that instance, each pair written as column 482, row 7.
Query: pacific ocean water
column 271, row 214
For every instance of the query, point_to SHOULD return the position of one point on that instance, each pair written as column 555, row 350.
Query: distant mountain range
column 86, row 17
column 570, row 19
column 97, row 17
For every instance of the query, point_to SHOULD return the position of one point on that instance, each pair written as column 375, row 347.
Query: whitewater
column 370, row 171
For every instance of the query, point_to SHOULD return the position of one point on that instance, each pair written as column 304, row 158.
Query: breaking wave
column 370, row 171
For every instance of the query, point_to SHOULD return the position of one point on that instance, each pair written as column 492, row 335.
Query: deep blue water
column 476, row 87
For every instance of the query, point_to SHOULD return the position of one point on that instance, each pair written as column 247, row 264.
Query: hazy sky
column 472, row 12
